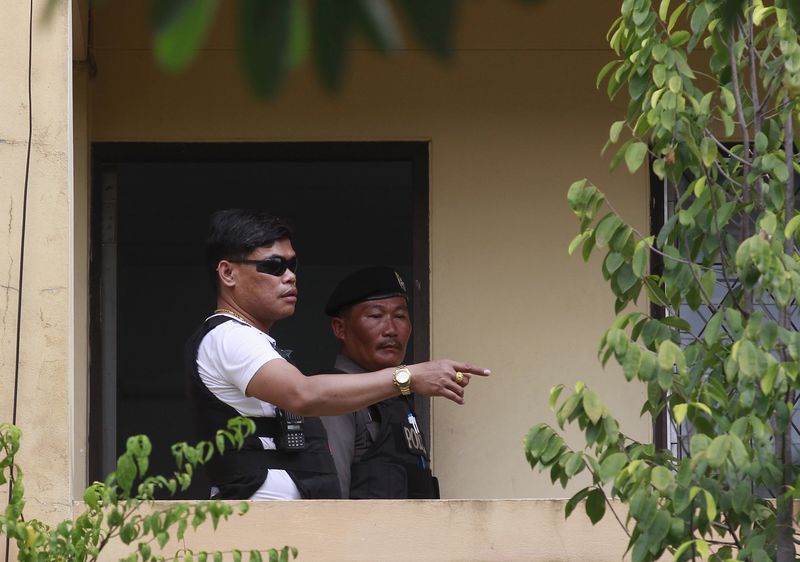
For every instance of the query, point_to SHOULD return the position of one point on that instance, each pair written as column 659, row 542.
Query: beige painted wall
column 512, row 121
column 43, row 401
column 441, row 531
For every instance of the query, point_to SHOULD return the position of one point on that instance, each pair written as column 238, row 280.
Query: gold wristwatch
column 402, row 380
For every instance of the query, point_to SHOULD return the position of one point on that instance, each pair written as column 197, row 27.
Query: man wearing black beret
column 379, row 451
column 235, row 367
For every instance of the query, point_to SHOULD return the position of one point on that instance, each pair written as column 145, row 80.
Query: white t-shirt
column 227, row 359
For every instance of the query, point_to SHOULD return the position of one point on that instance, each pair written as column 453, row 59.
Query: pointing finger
column 472, row 369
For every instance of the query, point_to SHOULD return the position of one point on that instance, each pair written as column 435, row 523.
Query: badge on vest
column 414, row 440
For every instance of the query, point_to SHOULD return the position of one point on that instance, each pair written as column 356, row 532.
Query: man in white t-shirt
column 236, row 368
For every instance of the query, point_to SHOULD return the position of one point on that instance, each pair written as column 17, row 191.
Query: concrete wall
column 42, row 405
column 441, row 531
column 512, row 121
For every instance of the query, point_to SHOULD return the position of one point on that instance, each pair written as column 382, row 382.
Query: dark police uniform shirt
column 379, row 451
column 348, row 434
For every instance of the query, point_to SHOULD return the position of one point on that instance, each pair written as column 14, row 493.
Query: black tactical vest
column 396, row 465
column 240, row 473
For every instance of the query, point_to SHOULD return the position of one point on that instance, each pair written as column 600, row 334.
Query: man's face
column 375, row 333
column 267, row 298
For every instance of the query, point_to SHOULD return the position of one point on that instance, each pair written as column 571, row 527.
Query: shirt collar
column 344, row 363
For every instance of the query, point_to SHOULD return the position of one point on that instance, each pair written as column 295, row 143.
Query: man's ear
column 338, row 327
column 225, row 274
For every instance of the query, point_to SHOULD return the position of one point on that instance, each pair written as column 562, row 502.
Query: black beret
column 367, row 284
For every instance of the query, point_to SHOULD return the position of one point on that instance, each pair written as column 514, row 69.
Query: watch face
column 402, row 376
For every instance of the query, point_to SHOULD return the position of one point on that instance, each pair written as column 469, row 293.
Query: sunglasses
column 274, row 265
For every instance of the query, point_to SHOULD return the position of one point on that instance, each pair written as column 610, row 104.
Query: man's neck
column 232, row 309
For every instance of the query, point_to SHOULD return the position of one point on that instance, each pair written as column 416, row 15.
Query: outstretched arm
column 279, row 382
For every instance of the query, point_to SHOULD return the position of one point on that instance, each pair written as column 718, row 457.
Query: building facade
column 479, row 151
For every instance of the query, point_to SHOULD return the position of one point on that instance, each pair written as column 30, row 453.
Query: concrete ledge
column 441, row 530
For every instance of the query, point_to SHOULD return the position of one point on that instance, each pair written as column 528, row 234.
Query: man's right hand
column 438, row 378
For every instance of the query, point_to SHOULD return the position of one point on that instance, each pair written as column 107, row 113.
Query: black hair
column 234, row 233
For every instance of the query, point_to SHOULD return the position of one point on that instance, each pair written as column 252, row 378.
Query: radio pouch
column 290, row 431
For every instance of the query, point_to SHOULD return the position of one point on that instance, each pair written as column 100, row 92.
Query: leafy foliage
column 277, row 35
column 113, row 507
column 712, row 89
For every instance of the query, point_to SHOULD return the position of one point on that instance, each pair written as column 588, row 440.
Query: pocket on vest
column 372, row 480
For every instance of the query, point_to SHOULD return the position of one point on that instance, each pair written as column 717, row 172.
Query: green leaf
column 711, row 506
column 727, row 122
column 577, row 241
column 632, row 362
column 673, row 19
column 91, row 497
column 739, row 454
column 748, row 358
column 663, row 10
column 555, row 446
column 606, row 228
column 264, row 35
column 659, row 77
column 761, row 142
column 728, row 99
column 596, row 505
column 592, row 406
column 742, row 497
column 791, row 226
column 588, row 246
column 575, row 500
column 115, row 518
column 768, row 380
column 576, row 193
column 713, row 329
column 616, row 129
column 699, row 18
column 709, row 282
column 433, row 23
column 634, row 156
column 769, row 222
column 332, row 22
column 603, row 71
column 676, row 322
column 378, row 23
column 662, row 478
column 554, row 394
column 668, row 355
column 717, row 452
column 611, row 465
column 126, row 472
column 574, row 465
column 127, row 533
column 682, row 549
column 708, row 151
column 613, row 262
column 659, row 528
column 679, row 37
column 640, row 255
column 180, row 26
column 679, row 412
column 699, row 186
column 162, row 538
